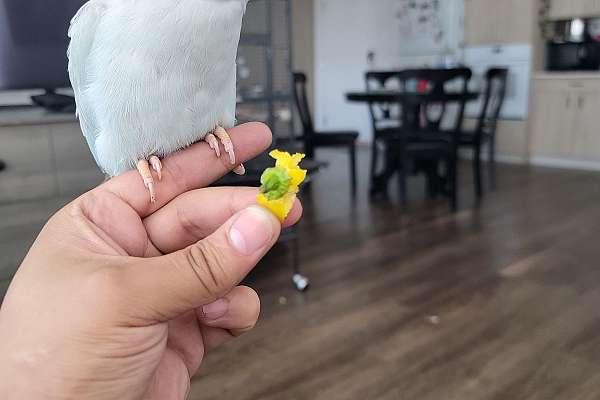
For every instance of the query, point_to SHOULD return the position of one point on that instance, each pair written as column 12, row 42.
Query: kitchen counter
column 566, row 75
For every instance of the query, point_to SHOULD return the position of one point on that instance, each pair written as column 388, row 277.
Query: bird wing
column 82, row 33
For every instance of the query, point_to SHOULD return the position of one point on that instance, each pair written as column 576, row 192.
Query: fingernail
column 252, row 230
column 215, row 310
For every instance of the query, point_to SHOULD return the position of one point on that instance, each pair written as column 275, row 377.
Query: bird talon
column 143, row 168
column 152, row 192
column 226, row 141
column 156, row 166
column 240, row 170
column 212, row 141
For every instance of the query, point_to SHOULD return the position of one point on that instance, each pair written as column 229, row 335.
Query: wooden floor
column 495, row 302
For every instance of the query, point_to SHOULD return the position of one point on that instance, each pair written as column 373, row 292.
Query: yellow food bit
column 281, row 184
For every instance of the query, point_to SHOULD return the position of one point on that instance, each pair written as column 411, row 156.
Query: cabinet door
column 586, row 142
column 489, row 22
column 75, row 167
column 592, row 8
column 552, row 119
column 30, row 170
column 563, row 9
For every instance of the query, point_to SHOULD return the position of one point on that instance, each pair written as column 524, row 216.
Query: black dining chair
column 313, row 139
column 429, row 132
column 385, row 116
column 485, row 132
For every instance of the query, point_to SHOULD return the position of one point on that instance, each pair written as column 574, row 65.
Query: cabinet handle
column 580, row 102
column 568, row 102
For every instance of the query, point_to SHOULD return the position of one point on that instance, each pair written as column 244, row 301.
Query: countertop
column 566, row 75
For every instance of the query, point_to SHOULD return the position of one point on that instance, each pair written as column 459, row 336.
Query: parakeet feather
column 153, row 77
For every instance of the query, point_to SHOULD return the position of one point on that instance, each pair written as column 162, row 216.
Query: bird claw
column 152, row 191
column 221, row 135
column 143, row 168
column 226, row 141
column 156, row 166
column 212, row 141
column 240, row 170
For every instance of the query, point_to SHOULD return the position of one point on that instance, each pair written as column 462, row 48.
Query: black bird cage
column 265, row 67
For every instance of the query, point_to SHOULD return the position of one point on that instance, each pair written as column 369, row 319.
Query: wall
column 303, row 41
column 345, row 31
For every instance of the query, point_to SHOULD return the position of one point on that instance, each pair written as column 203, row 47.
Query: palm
column 177, row 346
column 133, row 328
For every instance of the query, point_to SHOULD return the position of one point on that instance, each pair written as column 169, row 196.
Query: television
column 33, row 47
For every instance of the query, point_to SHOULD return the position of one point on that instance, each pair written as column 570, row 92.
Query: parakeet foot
column 213, row 143
column 143, row 168
column 156, row 166
column 240, row 170
column 223, row 136
column 226, row 141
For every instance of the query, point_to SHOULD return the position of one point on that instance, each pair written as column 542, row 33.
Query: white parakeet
column 153, row 76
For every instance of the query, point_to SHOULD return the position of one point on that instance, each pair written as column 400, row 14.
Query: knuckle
column 207, row 267
column 173, row 171
column 189, row 225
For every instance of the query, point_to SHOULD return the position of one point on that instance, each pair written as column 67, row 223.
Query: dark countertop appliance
column 573, row 45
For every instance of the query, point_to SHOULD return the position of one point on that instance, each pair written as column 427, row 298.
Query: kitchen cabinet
column 564, row 120
column 592, row 8
column 46, row 156
column 564, row 9
column 551, row 115
column 489, row 22
column 586, row 143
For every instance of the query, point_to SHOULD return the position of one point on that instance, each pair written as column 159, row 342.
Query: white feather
column 152, row 77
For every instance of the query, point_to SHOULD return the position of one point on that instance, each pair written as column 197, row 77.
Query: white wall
column 303, row 34
column 345, row 31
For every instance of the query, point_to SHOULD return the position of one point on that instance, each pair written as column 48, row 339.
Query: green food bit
column 275, row 183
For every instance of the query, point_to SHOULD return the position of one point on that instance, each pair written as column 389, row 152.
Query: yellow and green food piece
column 280, row 184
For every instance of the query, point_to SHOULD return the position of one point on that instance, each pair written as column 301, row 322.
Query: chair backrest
column 383, row 115
column 495, row 93
column 301, row 97
column 438, row 81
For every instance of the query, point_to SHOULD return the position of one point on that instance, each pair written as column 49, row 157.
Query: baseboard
column 500, row 158
column 506, row 159
column 565, row 163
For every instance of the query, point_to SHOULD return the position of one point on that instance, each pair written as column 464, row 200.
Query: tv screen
column 33, row 43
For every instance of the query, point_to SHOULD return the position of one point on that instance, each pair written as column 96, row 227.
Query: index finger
column 192, row 168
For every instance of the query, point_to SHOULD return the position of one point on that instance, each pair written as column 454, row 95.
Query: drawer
column 30, row 172
column 76, row 169
column 45, row 161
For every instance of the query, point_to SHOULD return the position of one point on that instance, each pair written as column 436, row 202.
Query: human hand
column 121, row 299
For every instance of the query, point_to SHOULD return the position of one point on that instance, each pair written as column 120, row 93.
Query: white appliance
column 517, row 58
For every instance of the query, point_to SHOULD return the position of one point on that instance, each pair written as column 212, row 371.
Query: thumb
column 171, row 285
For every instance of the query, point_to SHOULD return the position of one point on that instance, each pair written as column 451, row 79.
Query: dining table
column 411, row 104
